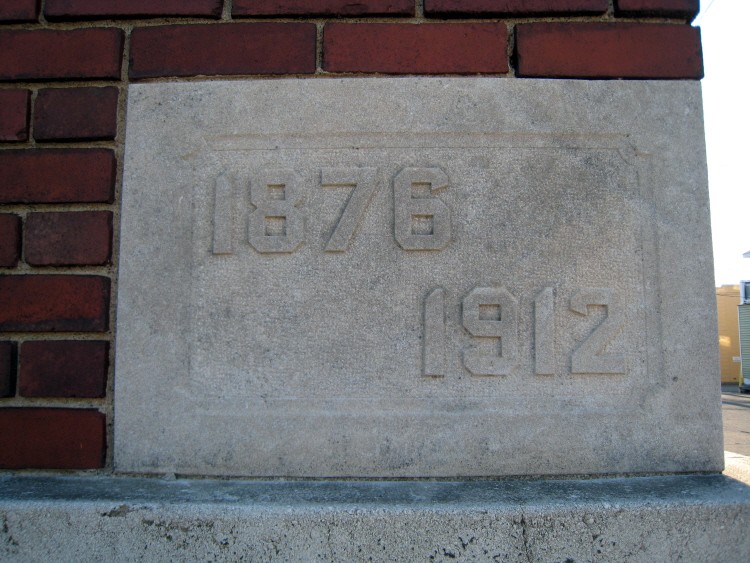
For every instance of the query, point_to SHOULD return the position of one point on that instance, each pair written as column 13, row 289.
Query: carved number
column 276, row 225
column 363, row 181
column 544, row 332
column 430, row 212
column 588, row 357
column 223, row 224
column 433, row 348
column 491, row 312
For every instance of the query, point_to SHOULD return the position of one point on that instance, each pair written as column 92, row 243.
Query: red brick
column 54, row 303
column 513, row 7
column 57, row 175
column 223, row 49
column 93, row 9
column 7, row 369
column 43, row 53
column 43, row 438
column 323, row 8
column 608, row 50
column 63, row 368
column 19, row 10
column 14, row 115
column 10, row 240
column 76, row 238
column 76, row 114
column 467, row 48
column 686, row 9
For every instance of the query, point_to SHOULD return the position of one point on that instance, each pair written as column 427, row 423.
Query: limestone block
column 416, row 277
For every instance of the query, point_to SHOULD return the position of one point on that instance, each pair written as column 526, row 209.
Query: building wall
column 744, row 316
column 727, row 299
column 65, row 66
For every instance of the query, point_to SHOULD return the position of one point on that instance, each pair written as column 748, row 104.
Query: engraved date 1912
column 492, row 313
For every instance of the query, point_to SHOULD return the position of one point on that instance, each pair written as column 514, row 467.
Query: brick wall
column 64, row 70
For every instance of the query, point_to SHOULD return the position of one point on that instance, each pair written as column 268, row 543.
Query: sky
column 726, row 107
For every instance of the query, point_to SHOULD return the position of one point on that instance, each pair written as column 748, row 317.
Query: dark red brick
column 19, row 10
column 323, row 8
column 7, row 369
column 76, row 114
column 54, row 303
column 686, row 9
column 63, row 368
column 608, row 50
column 10, row 240
column 66, row 54
column 466, row 48
column 98, row 9
column 43, row 438
column 14, row 115
column 513, row 7
column 223, row 49
column 57, row 175
column 76, row 238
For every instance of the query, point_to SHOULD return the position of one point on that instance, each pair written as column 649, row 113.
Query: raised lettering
column 589, row 356
column 363, row 182
column 276, row 225
column 491, row 313
column 223, row 215
column 544, row 332
column 423, row 222
column 433, row 345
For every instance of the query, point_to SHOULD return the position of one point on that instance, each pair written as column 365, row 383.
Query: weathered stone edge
column 670, row 518
column 499, row 494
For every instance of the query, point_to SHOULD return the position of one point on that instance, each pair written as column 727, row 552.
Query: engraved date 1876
column 276, row 225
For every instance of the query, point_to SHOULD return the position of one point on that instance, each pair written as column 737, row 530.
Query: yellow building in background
column 727, row 299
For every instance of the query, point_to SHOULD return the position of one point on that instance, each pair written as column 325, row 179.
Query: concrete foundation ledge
column 669, row 518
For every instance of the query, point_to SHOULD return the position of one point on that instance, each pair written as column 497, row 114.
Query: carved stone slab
column 416, row 277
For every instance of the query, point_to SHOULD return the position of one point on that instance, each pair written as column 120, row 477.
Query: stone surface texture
column 519, row 284
column 642, row 519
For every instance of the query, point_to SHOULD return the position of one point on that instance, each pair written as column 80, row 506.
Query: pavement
column 735, row 409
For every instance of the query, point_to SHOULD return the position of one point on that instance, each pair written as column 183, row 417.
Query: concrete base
column 686, row 518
